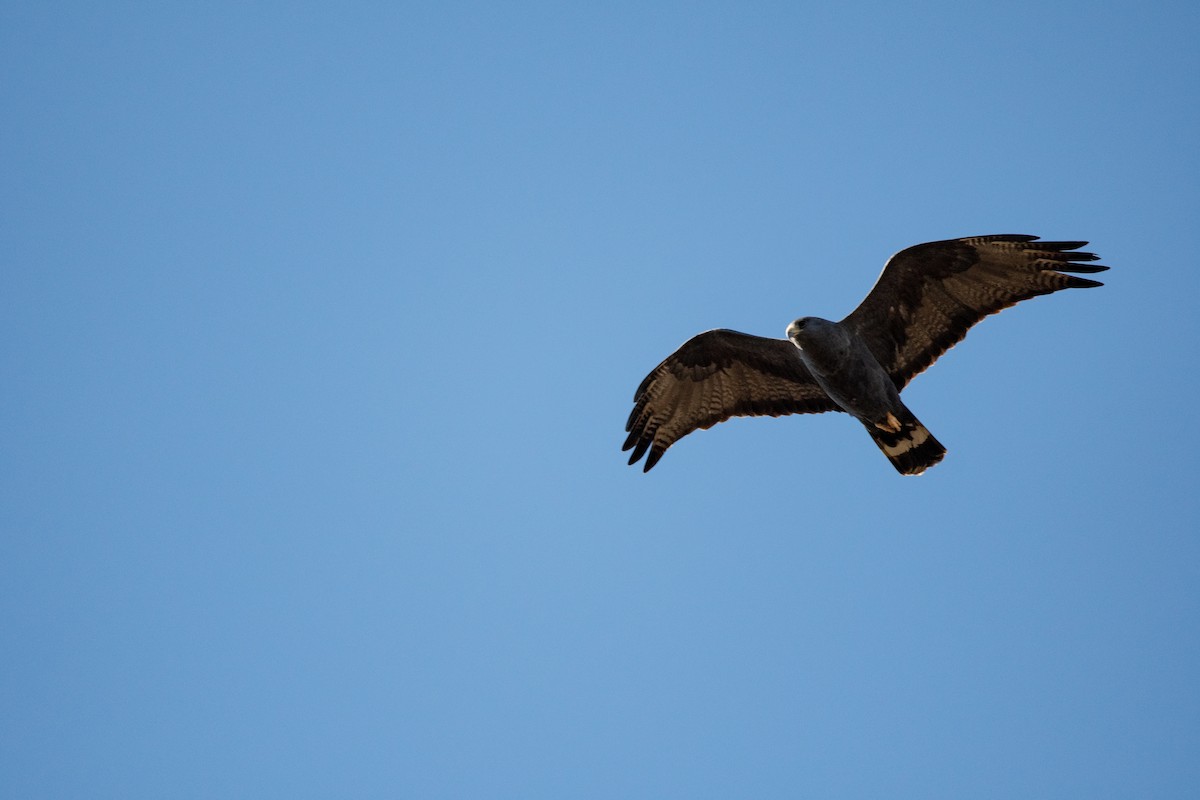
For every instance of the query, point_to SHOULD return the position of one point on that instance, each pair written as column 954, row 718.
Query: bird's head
column 803, row 329
column 813, row 330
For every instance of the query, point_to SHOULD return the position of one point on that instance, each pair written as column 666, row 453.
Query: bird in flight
column 924, row 302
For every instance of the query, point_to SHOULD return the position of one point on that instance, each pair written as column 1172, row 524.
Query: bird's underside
column 924, row 302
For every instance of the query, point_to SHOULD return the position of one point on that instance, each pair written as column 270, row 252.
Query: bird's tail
column 906, row 442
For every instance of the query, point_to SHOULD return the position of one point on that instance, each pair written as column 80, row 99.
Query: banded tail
column 906, row 442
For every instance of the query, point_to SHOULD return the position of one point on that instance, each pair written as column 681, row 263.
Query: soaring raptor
column 924, row 302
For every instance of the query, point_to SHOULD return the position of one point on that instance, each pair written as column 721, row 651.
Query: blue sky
column 321, row 324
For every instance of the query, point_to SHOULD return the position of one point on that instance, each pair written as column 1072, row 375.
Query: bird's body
column 849, row 374
column 844, row 368
column 924, row 302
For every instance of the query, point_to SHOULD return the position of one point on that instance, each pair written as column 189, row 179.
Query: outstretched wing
column 712, row 377
column 930, row 295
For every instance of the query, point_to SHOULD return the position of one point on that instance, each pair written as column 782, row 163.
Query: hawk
column 924, row 302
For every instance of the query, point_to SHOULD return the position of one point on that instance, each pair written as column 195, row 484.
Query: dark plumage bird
column 922, row 305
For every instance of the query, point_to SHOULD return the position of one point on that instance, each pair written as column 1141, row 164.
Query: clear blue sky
column 320, row 325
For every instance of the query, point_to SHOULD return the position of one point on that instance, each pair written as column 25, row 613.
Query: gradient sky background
column 321, row 324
